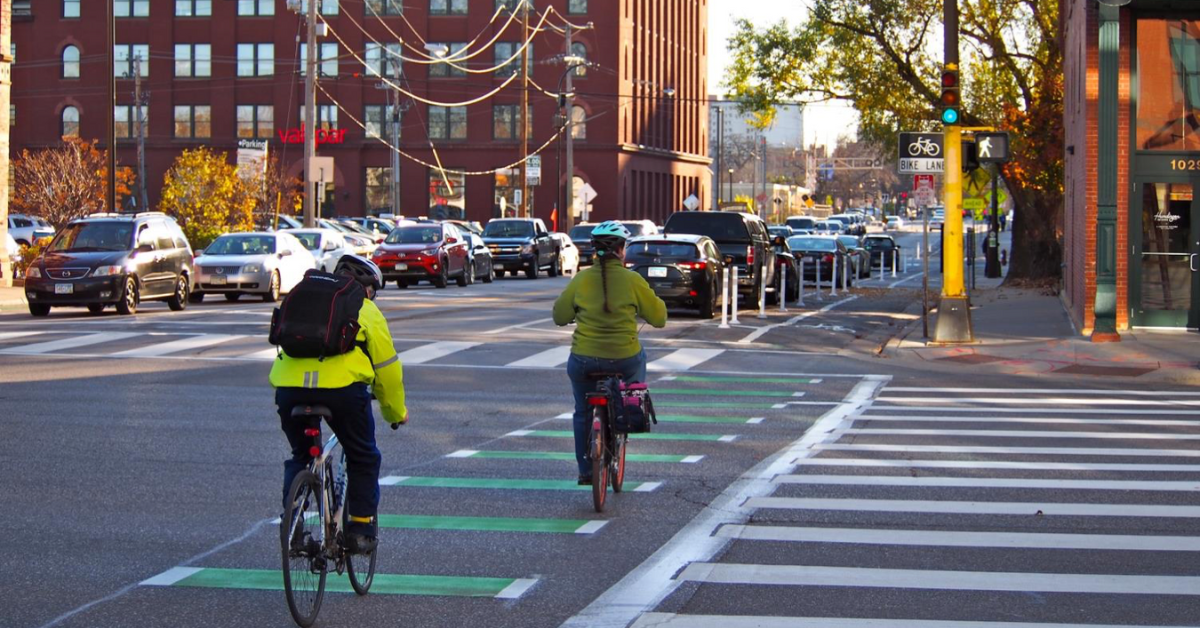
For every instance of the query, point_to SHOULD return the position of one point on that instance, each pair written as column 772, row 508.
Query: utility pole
column 568, row 111
column 141, row 132
column 110, row 195
column 394, row 94
column 6, row 270
column 310, row 117
column 720, row 155
column 523, row 206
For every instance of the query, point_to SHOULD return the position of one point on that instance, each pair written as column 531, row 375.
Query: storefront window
column 379, row 190
column 1168, row 99
column 1166, row 225
column 447, row 202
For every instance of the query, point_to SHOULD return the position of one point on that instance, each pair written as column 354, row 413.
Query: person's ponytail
column 602, row 255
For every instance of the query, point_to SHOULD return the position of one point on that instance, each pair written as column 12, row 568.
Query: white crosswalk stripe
column 177, row 346
column 550, row 358
column 433, row 351
column 683, row 359
column 74, row 342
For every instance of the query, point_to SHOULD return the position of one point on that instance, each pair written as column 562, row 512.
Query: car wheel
column 402, row 284
column 500, row 273
column 532, row 270
column 179, row 300
column 442, row 280
column 489, row 275
column 232, row 296
column 95, row 308
column 39, row 309
column 196, row 297
column 556, row 266
column 129, row 299
column 272, row 294
column 709, row 307
column 468, row 276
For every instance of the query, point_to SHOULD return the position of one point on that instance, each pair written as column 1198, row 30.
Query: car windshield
column 721, row 227
column 310, row 240
column 811, row 244
column 878, row 243
column 415, row 235
column 242, row 245
column 635, row 228
column 582, row 232
column 801, row 223
column 662, row 250
column 508, row 229
column 849, row 241
column 95, row 236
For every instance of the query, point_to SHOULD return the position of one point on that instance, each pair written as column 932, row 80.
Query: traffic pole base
column 1105, row 336
column 953, row 322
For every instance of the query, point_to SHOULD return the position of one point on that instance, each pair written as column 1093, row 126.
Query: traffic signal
column 970, row 156
column 951, row 99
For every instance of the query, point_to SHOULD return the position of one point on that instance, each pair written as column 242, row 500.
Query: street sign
column 251, row 158
column 320, row 169
column 922, row 180
column 991, row 148
column 974, row 203
column 587, row 193
column 691, row 202
column 921, row 152
column 517, row 197
column 533, row 170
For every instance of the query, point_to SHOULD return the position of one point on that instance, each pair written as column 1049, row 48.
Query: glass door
column 1168, row 259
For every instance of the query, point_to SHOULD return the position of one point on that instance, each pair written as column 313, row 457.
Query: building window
column 70, row 122
column 447, row 194
column 445, row 69
column 70, row 8
column 193, row 59
column 383, row 7
column 327, row 7
column 193, row 8
column 513, row 5
column 579, row 50
column 447, row 123
column 255, row 121
column 448, row 7
column 123, row 56
column 256, row 59
column 193, row 121
column 327, row 116
column 576, row 6
column 506, row 122
column 12, row 115
column 328, row 60
column 383, row 61
column 125, row 120
column 70, row 62
column 378, row 121
column 379, row 190
column 1168, row 62
column 578, row 123
column 256, row 7
column 506, row 50
column 131, row 8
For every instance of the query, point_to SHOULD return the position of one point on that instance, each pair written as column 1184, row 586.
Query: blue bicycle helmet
column 611, row 229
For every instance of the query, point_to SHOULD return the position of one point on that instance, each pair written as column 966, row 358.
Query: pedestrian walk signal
column 950, row 100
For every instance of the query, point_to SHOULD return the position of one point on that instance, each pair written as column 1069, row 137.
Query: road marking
column 995, row 464
column 384, row 584
column 1049, row 509
column 761, row 331
column 171, row 576
column 176, row 346
column 502, row 483
column 1044, row 391
column 926, row 482
column 490, row 524
column 720, row 405
column 567, row 455
column 692, row 418
column 1049, row 451
column 950, row 538
column 264, row 354
column 1043, row 400
column 645, row 436
column 8, row 335
column 740, row 380
column 724, row 393
column 501, row 330
column 995, row 410
column 1024, row 434
column 905, row 280
column 670, row 620
column 70, row 343
column 433, row 351
column 550, row 358
column 804, row 575
column 683, row 359
column 1062, row 420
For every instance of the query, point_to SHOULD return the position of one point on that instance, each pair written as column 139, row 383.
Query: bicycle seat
column 320, row 412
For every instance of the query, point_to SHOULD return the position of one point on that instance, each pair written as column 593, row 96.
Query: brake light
column 693, row 265
column 597, row 401
column 750, row 255
column 828, row 259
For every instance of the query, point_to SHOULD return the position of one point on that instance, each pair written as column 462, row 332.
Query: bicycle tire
column 304, row 567
column 598, row 451
column 618, row 465
column 360, row 567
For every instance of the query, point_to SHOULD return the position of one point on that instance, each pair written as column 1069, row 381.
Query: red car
column 427, row 251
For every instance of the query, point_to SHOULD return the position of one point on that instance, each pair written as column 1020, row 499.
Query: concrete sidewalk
column 12, row 298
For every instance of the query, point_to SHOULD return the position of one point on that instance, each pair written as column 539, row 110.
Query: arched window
column 70, row 122
column 70, row 62
column 578, row 123
column 579, row 50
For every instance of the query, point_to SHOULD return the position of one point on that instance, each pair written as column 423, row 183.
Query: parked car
column 784, row 257
column 741, row 237
column 850, row 224
column 270, row 222
column 326, row 245
column 373, row 224
column 581, row 235
column 266, row 263
column 894, row 222
column 641, row 227
column 881, row 248
column 860, row 259
column 360, row 245
column 783, row 231
column 480, row 256
column 825, row 249
column 27, row 230
column 105, row 259
column 351, row 228
column 467, row 226
column 432, row 252
column 683, row 270
column 14, row 249
column 568, row 254
column 522, row 244
column 802, row 222
column 938, row 216
column 830, row 227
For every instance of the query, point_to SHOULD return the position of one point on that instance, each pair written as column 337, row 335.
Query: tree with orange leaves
column 65, row 182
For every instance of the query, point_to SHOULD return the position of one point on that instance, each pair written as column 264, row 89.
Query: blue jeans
column 354, row 426
column 633, row 369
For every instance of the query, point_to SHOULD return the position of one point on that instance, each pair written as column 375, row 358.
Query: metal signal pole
column 310, row 116
column 110, row 195
column 141, row 133
column 568, row 112
column 523, row 206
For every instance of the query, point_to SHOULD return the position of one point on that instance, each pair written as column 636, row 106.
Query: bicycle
column 311, row 542
column 606, row 448
column 924, row 146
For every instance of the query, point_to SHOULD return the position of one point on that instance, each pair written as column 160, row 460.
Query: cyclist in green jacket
column 605, row 302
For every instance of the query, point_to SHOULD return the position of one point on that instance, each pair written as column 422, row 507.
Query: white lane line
column 1049, row 509
column 550, row 358
column 176, row 346
column 501, row 330
column 8, row 335
column 950, row 538
column 590, row 527
column 761, row 331
column 392, row 480
column 1043, row 400
column 756, row 420
column 171, row 576
column 803, row 575
column 905, row 280
column 995, row 464
column 264, row 354
column 571, row 415
column 433, row 351
column 647, row 487
column 70, row 343
column 941, row 482
column 692, row 459
column 519, row 433
column 1024, row 434
column 516, row 589
column 1044, row 391
column 670, row 620
column 1047, row 451
column 1060, row 420
column 995, row 410
column 683, row 359
column 462, row 453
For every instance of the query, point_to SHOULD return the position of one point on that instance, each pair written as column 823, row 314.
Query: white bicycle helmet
column 362, row 269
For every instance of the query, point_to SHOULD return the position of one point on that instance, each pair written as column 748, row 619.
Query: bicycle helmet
column 611, row 229
column 362, row 269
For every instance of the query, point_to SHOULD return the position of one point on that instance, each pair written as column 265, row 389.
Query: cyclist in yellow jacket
column 340, row 383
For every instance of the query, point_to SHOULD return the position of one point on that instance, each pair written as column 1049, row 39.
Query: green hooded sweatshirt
column 612, row 335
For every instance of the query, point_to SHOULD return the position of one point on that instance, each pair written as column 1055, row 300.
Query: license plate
column 219, row 281
column 64, row 288
column 656, row 271
column 401, row 266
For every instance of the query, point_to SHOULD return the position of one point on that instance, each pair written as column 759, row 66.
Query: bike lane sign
column 920, row 153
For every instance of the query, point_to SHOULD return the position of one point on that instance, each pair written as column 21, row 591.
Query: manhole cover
column 972, row 358
column 1111, row 371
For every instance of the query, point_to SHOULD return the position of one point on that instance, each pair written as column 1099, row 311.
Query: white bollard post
column 734, row 293
column 894, row 252
column 833, row 277
column 800, row 299
column 762, row 297
column 783, row 288
column 818, row 281
column 845, row 275
column 725, row 298
column 903, row 265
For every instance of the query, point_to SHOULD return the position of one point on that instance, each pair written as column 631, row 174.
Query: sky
column 823, row 122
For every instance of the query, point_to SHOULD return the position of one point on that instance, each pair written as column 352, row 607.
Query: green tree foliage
column 884, row 56
column 204, row 193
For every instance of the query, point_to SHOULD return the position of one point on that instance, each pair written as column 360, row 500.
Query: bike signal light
column 951, row 98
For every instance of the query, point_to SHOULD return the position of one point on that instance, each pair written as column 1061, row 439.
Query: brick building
column 219, row 70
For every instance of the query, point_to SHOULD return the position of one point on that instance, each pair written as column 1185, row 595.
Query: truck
column 522, row 245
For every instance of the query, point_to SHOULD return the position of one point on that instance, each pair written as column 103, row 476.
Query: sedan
column 823, row 252
column 881, row 248
column 432, row 251
column 784, row 258
column 326, row 245
column 581, row 236
column 261, row 263
column 481, row 256
column 683, row 270
column 895, row 222
column 860, row 258
column 568, row 254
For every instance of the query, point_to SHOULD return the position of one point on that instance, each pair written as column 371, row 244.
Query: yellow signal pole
column 952, row 249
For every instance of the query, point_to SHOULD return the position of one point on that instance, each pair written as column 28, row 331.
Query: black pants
column 354, row 426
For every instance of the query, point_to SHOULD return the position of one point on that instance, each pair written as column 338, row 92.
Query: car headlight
column 33, row 272
column 107, row 271
column 252, row 268
column 430, row 253
column 526, row 248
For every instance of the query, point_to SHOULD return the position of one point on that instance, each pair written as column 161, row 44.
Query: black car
column 521, row 245
column 823, row 252
column 784, row 257
column 683, row 270
column 105, row 259
column 481, row 257
column 742, row 239
column 581, row 236
column 881, row 248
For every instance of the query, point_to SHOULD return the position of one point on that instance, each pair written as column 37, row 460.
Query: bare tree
column 64, row 182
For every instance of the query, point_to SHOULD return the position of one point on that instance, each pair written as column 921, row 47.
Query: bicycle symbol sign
column 920, row 152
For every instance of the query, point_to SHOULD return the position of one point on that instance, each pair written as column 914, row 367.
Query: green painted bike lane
column 384, row 584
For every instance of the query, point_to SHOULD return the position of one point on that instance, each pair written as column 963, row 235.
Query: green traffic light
column 949, row 116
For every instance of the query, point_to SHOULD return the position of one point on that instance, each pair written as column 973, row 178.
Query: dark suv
column 742, row 238
column 120, row 259
column 522, row 244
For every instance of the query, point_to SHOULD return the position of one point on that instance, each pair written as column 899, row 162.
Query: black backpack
column 319, row 317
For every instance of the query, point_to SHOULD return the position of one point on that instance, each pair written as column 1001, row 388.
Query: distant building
column 744, row 149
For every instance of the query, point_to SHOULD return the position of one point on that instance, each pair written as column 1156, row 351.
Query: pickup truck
column 522, row 244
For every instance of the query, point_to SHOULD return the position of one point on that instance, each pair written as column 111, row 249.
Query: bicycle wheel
column 304, row 567
column 597, row 451
column 618, row 462
column 361, row 567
